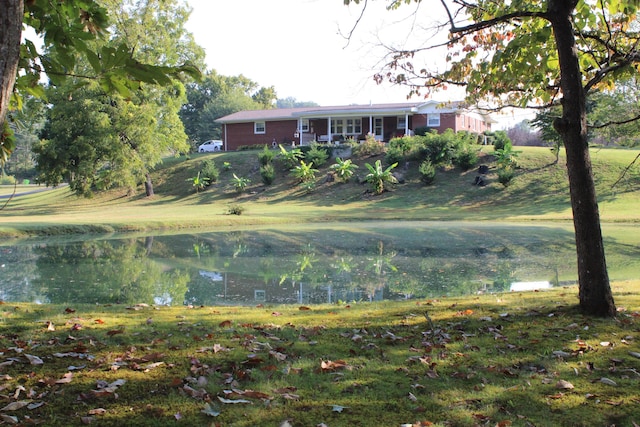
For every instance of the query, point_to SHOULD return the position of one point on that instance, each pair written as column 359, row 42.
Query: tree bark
column 148, row 185
column 10, row 34
column 595, row 294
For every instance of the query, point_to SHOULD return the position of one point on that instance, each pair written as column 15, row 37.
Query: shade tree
column 532, row 54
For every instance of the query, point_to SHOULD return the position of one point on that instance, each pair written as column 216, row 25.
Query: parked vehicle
column 209, row 146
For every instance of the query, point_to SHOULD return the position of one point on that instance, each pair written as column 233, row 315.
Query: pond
column 330, row 263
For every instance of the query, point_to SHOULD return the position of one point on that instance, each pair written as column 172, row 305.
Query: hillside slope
column 539, row 191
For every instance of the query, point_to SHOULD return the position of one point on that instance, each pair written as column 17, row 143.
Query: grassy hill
column 539, row 191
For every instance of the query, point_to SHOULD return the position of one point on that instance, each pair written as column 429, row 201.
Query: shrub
column 344, row 169
column 500, row 140
column 235, row 210
column 394, row 155
column 317, row 155
column 505, row 175
column 304, row 172
column 378, row 177
column 427, row 172
column 439, row 148
column 209, row 172
column 466, row 158
column 370, row 147
column 7, row 180
column 267, row 173
column 240, row 183
column 266, row 156
column 290, row 158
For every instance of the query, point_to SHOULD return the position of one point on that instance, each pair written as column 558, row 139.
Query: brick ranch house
column 333, row 124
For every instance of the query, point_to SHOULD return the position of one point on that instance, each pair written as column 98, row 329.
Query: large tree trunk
column 148, row 185
column 595, row 292
column 10, row 33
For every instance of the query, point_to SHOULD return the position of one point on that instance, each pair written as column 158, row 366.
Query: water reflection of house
column 529, row 286
column 238, row 289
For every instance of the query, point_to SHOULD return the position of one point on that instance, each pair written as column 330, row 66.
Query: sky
column 300, row 47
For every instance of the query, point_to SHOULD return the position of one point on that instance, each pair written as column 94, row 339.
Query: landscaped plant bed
column 501, row 359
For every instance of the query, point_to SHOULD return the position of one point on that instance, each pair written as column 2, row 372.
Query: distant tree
column 215, row 96
column 266, row 97
column 96, row 142
column 291, row 102
column 523, row 134
column 68, row 31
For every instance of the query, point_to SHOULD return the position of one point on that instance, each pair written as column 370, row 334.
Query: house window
column 402, row 122
column 337, row 126
column 433, row 120
column 259, row 127
column 354, row 126
column 304, row 125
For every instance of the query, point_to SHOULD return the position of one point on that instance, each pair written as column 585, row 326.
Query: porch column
column 329, row 131
column 406, row 124
column 371, row 126
column 300, row 131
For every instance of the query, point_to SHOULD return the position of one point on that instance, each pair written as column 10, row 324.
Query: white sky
column 297, row 46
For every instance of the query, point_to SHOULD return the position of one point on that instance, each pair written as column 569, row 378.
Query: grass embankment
column 517, row 359
column 539, row 191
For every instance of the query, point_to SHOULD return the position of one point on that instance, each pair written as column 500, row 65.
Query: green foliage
column 344, row 169
column 317, row 155
column 267, row 173
column 505, row 175
column 240, row 183
column 394, row 155
column 466, row 157
column 291, row 157
column 210, row 171
column 440, row 148
column 370, row 147
column 199, row 182
column 500, row 139
column 7, row 180
column 507, row 157
column 304, row 172
column 427, row 172
column 7, row 142
column 266, row 156
column 235, row 210
column 226, row 166
column 378, row 177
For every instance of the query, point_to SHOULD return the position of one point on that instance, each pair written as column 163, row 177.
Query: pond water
column 305, row 264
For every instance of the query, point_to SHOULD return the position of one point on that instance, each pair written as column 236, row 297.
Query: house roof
column 343, row 110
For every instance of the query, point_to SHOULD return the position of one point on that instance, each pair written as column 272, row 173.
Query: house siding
column 281, row 125
column 237, row 135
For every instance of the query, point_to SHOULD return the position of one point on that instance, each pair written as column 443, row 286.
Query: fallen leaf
column 303, row 308
column 564, row 385
column 99, row 321
column 50, row 327
column 97, row 411
column 14, row 406
column 225, row 324
column 115, row 332
column 34, row 360
column 66, row 378
column 607, row 381
column 338, row 408
column 9, row 419
column 208, row 410
column 223, row 400
column 69, row 310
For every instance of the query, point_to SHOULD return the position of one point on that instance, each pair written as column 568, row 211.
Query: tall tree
column 135, row 133
column 66, row 30
column 527, row 53
column 215, row 96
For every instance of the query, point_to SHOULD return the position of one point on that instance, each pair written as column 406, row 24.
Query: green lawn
column 538, row 192
column 516, row 359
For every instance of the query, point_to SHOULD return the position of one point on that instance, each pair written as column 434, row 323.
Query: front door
column 378, row 128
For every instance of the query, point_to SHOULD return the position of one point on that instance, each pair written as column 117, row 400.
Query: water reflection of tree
column 18, row 271
column 101, row 271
